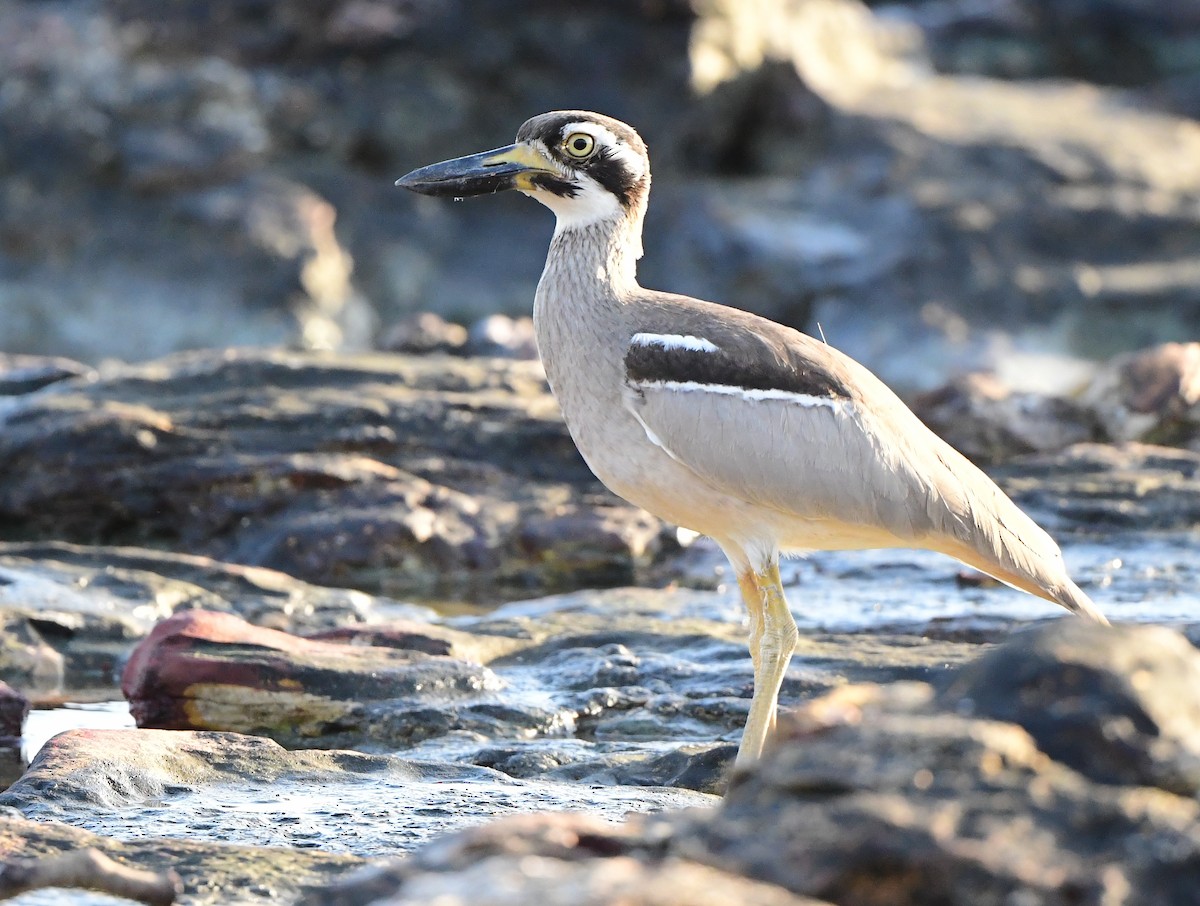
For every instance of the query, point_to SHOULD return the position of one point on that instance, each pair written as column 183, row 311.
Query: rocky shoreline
column 347, row 724
column 281, row 476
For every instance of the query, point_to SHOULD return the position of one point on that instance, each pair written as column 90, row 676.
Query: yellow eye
column 579, row 145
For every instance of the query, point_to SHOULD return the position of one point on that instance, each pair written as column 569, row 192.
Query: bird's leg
column 752, row 596
column 773, row 637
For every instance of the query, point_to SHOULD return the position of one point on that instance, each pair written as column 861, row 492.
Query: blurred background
column 942, row 186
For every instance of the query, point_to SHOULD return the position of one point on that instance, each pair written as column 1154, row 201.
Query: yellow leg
column 773, row 638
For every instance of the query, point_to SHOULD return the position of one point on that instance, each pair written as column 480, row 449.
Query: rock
column 241, row 790
column 13, row 708
column 897, row 794
column 632, row 687
column 26, row 373
column 74, row 613
column 424, row 333
column 892, row 795
column 1106, row 488
column 559, row 860
column 817, row 162
column 1120, row 708
column 1150, row 395
column 987, row 422
column 131, row 129
column 1125, row 42
column 210, row 869
column 202, row 670
column 389, row 474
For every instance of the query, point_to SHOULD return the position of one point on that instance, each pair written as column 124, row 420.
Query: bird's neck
column 601, row 255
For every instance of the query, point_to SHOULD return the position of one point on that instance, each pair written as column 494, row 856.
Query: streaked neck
column 602, row 252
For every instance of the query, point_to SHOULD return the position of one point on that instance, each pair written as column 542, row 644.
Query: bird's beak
column 513, row 167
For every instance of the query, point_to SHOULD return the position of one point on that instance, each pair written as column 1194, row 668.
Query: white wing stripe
column 751, row 395
column 674, row 341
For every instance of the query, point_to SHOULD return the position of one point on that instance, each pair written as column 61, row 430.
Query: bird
column 736, row 427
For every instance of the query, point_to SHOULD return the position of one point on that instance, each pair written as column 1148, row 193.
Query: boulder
column 1119, row 708
column 202, row 670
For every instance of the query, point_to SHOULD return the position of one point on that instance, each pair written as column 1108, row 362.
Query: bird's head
column 585, row 167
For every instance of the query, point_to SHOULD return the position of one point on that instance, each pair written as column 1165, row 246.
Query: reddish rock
column 205, row 670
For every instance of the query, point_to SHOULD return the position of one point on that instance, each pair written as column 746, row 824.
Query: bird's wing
column 782, row 425
column 771, row 416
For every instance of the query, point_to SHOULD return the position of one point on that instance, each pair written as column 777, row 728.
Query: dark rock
column 26, row 373
column 1104, row 488
column 415, row 475
column 1119, row 707
column 987, row 422
column 876, row 795
column 1150, row 395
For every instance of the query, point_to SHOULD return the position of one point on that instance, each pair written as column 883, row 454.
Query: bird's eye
column 579, row 145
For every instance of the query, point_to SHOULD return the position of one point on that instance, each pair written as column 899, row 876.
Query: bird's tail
column 1045, row 577
column 1072, row 597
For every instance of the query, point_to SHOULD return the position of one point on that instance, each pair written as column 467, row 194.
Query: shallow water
column 1145, row 577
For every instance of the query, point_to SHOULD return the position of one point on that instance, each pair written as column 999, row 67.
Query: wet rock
column 1104, row 488
column 406, row 475
column 202, row 670
column 245, row 790
column 899, row 794
column 1120, row 708
column 1150, row 395
column 988, row 422
column 629, row 687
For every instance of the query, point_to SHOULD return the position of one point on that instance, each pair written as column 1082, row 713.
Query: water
column 45, row 723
